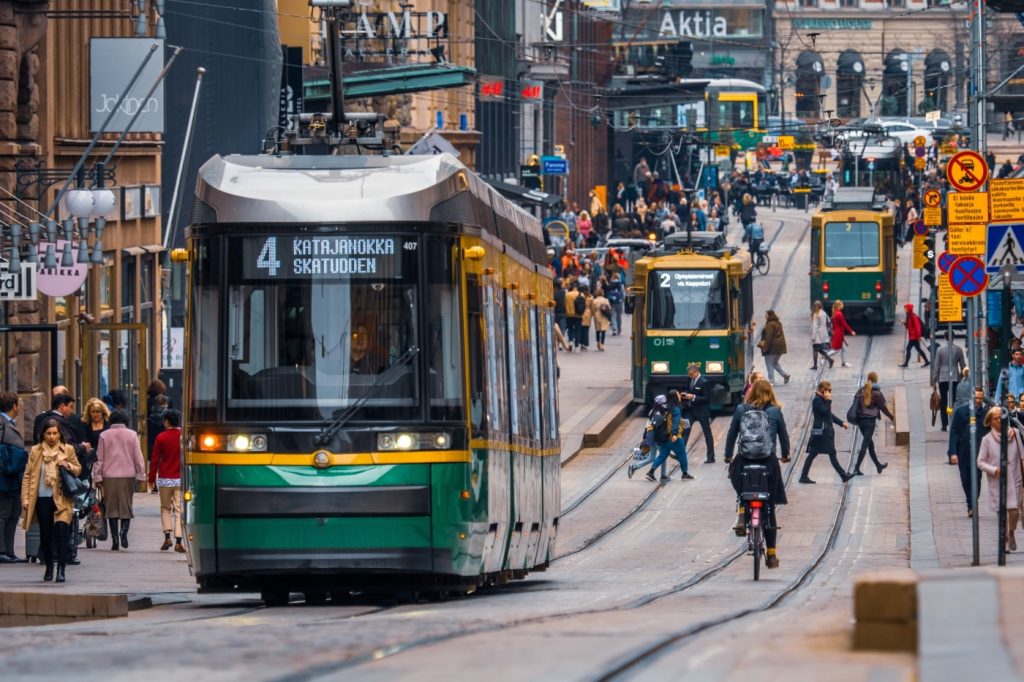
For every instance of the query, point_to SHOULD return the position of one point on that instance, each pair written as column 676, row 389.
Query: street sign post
column 1004, row 247
column 966, row 240
column 1006, row 198
column 932, row 198
column 966, row 207
column 967, row 171
column 554, row 165
column 932, row 216
column 920, row 249
column 950, row 302
column 967, row 276
column 945, row 261
column 920, row 229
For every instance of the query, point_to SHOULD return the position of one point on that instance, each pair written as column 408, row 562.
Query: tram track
column 647, row 655
column 697, row 579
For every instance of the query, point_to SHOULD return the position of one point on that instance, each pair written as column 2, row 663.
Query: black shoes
column 4, row 559
column 903, row 366
column 804, row 479
column 686, row 476
column 881, row 467
column 831, row 363
column 857, row 472
column 845, row 477
column 710, row 460
column 666, row 478
column 48, row 574
column 650, row 477
column 60, row 573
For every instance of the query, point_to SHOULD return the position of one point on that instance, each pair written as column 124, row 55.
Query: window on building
column 849, row 3
column 808, row 3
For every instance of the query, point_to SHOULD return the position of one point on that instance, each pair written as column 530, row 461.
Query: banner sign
column 112, row 63
column 323, row 257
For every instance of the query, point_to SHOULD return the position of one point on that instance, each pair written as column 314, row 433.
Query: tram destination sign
column 323, row 257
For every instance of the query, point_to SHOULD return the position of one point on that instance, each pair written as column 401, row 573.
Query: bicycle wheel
column 763, row 264
column 755, row 533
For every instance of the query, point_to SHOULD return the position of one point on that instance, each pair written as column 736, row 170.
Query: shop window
column 128, row 280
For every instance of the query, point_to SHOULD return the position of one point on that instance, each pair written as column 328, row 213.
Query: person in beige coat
column 988, row 461
column 42, row 496
column 601, row 311
column 588, row 316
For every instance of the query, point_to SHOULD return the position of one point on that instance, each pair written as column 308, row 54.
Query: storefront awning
column 523, row 195
column 394, row 81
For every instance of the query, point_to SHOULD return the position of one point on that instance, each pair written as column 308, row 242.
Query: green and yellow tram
column 692, row 307
column 853, row 257
column 370, row 390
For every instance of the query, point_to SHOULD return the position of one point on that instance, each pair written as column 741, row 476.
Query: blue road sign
column 1004, row 246
column 946, row 260
column 920, row 229
column 967, row 276
column 554, row 165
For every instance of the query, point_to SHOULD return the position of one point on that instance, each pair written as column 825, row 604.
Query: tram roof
column 854, row 199
column 359, row 189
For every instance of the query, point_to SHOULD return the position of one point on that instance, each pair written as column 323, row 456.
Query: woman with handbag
column 820, row 335
column 823, row 435
column 988, row 461
column 773, row 346
column 868, row 408
column 118, row 466
column 43, row 496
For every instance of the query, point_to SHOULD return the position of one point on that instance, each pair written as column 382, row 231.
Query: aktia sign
column 692, row 24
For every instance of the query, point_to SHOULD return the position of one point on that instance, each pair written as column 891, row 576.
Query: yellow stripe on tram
column 343, row 459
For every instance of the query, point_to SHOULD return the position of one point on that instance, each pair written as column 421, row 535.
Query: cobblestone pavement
column 633, row 551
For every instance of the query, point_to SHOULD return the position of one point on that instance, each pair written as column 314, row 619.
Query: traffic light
column 929, row 264
column 679, row 61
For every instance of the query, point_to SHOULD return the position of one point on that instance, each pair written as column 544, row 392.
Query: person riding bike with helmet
column 755, row 426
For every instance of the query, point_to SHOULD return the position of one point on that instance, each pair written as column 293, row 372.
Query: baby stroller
column 94, row 526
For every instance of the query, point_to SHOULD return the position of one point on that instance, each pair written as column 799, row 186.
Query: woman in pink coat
column 840, row 329
column 118, row 466
column 988, row 461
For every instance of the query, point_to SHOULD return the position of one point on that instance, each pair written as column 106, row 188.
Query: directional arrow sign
column 1004, row 247
column 967, row 276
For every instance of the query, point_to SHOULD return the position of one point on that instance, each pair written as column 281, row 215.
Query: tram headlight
column 245, row 442
column 716, row 368
column 413, row 441
column 659, row 367
column 210, row 442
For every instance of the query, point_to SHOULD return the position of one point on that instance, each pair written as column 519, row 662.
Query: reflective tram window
column 204, row 350
column 316, row 324
column 851, row 245
column 444, row 351
column 687, row 299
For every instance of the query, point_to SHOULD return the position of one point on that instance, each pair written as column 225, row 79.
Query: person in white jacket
column 820, row 336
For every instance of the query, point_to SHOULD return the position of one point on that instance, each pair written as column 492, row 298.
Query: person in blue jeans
column 675, row 444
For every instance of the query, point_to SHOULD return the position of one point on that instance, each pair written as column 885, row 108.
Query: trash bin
column 800, row 200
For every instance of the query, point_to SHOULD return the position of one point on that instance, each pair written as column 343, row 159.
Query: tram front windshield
column 687, row 299
column 851, row 245
column 317, row 325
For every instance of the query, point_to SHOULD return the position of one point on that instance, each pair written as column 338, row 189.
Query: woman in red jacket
column 915, row 330
column 840, row 329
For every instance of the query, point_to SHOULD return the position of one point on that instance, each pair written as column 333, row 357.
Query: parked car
column 900, row 129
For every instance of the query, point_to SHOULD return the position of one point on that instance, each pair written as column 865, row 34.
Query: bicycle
column 755, row 500
column 762, row 261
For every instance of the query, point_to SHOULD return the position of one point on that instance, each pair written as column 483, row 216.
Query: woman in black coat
column 823, row 435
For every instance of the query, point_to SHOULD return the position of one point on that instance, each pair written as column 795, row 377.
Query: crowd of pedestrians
column 73, row 467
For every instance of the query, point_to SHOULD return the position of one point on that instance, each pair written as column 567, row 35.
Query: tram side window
column 851, row 244
column 477, row 353
column 551, row 390
column 512, row 334
column 205, row 320
column 687, row 299
column 495, row 361
column 535, row 377
column 736, row 114
column 746, row 299
column 445, row 338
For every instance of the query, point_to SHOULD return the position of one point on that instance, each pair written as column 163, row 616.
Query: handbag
column 72, row 485
column 854, row 412
column 935, row 403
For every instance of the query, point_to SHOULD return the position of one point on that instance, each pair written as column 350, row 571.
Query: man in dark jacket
column 155, row 421
column 698, row 409
column 960, row 442
column 12, row 468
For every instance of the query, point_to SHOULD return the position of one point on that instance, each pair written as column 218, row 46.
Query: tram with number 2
column 853, row 257
column 370, row 391
column 694, row 305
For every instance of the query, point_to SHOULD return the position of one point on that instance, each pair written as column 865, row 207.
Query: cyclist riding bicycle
column 753, row 441
column 756, row 239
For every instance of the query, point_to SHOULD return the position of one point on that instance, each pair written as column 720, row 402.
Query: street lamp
column 84, row 205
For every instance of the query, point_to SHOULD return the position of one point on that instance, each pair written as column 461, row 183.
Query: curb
column 47, row 608
column 603, row 430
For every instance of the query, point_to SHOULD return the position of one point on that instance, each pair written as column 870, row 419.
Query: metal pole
column 979, row 21
column 335, row 66
column 973, row 464
column 172, row 213
column 910, row 86
column 138, row 112
column 1004, row 435
column 99, row 133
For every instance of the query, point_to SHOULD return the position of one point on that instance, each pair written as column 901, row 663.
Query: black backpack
column 579, row 305
column 755, row 434
column 659, row 423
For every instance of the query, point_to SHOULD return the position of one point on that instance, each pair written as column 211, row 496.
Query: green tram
column 693, row 306
column 853, row 257
column 370, row 391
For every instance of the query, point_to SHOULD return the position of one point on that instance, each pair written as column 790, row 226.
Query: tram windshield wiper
column 700, row 325
column 332, row 427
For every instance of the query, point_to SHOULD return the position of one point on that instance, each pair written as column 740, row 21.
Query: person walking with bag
column 915, row 330
column 118, row 466
column 13, row 459
column 988, row 461
column 602, row 318
column 43, row 498
column 820, row 335
column 867, row 409
column 945, row 365
column 959, row 450
column 773, row 346
column 823, row 434
column 840, row 328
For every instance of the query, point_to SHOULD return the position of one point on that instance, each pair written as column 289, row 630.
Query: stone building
column 887, row 57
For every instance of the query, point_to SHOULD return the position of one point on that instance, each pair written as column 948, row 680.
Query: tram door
column 115, row 356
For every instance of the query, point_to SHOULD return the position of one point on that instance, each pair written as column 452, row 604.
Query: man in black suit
column 698, row 409
column 960, row 442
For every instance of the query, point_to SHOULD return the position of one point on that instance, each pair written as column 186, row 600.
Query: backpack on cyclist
column 659, row 425
column 755, row 434
column 579, row 305
column 756, row 231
